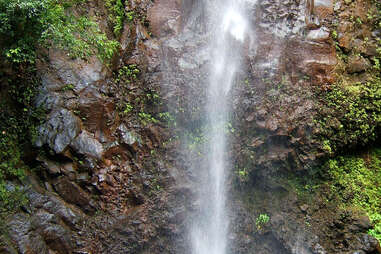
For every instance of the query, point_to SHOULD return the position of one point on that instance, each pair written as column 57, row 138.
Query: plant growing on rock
column 261, row 221
column 146, row 118
column 350, row 115
column 19, row 119
column 127, row 73
column 356, row 180
column 28, row 23
column 243, row 175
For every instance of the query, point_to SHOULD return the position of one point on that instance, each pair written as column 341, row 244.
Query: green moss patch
column 356, row 182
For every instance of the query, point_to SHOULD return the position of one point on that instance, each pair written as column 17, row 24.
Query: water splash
column 235, row 24
column 229, row 26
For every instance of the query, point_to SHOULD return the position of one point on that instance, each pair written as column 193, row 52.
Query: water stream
column 228, row 28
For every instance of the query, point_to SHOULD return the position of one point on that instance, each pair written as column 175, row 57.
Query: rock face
column 59, row 131
column 116, row 178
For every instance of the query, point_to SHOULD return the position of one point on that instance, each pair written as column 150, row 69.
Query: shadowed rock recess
column 115, row 148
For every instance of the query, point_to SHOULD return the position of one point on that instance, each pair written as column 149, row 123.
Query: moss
column 350, row 115
column 355, row 181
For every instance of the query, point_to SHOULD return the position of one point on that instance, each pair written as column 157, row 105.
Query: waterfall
column 227, row 26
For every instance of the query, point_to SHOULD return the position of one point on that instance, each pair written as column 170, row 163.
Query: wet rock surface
column 116, row 181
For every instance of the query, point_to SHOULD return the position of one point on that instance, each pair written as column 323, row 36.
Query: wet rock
column 59, row 130
column 370, row 244
column 48, row 226
column 78, row 73
column 164, row 17
column 51, row 166
column 83, row 177
column 361, row 224
column 53, row 205
column 357, row 64
column 86, row 144
column 68, row 168
column 320, row 34
column 256, row 142
column 48, row 100
column 127, row 137
column 272, row 124
column 318, row 249
column 304, row 208
column 73, row 194
column 27, row 241
column 323, row 8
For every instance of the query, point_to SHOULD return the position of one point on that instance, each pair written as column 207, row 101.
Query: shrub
column 18, row 120
column 28, row 23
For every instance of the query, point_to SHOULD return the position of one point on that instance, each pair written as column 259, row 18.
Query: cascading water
column 228, row 25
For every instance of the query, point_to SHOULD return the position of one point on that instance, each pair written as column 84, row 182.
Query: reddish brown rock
column 165, row 17
column 73, row 194
column 357, row 64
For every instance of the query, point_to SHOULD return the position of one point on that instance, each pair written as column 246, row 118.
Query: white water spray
column 229, row 26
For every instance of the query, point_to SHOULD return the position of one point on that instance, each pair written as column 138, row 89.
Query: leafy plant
column 128, row 108
column 117, row 15
column 243, row 174
column 168, row 118
column 262, row 220
column 29, row 23
column 127, row 73
column 146, row 118
column 19, row 119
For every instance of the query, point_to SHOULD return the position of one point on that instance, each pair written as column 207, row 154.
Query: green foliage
column 29, row 23
column 168, row 118
column 117, row 15
column 146, row 118
column 357, row 180
column 68, row 87
column 351, row 114
column 128, row 108
column 243, row 174
column 327, row 147
column 196, row 139
column 127, row 73
column 262, row 220
column 18, row 122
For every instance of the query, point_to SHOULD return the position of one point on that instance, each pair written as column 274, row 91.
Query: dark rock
column 51, row 166
column 27, row 240
column 68, row 168
column 48, row 226
column 256, row 142
column 370, row 244
column 72, row 193
column 78, row 73
column 361, row 224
